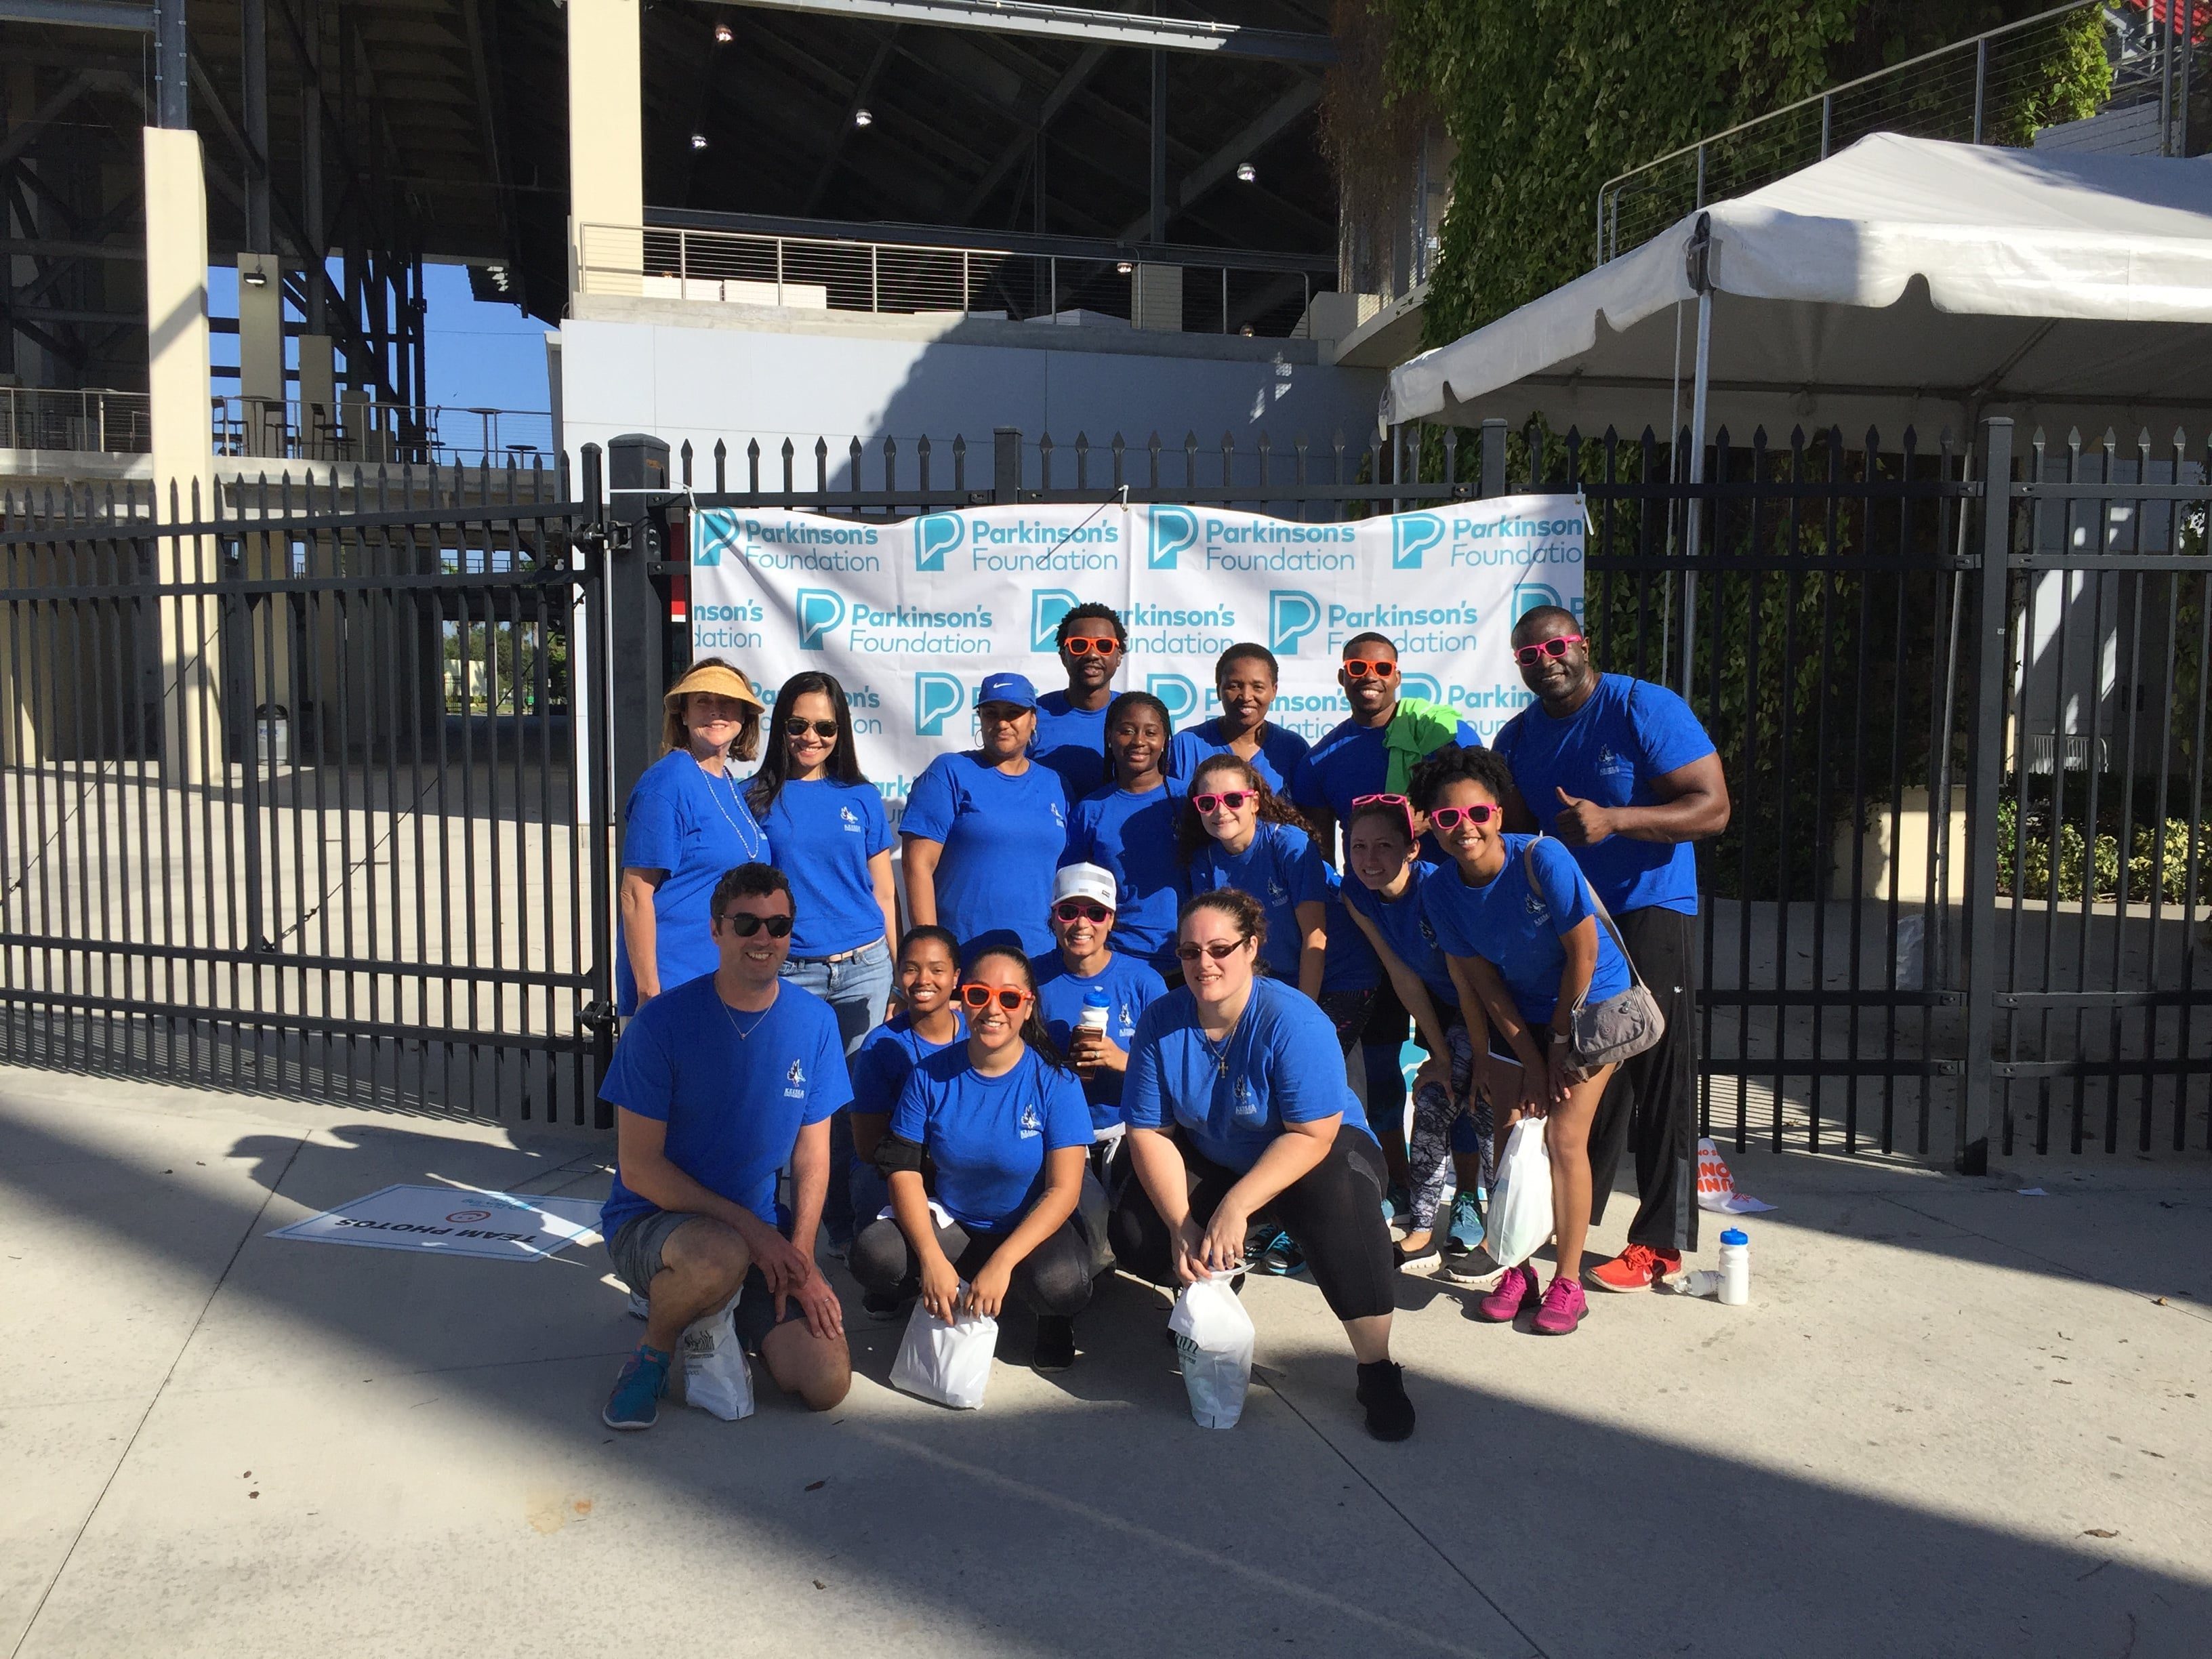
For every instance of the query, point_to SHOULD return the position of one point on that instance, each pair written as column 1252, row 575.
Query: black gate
column 298, row 793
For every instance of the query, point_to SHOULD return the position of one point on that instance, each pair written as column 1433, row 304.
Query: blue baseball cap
column 1006, row 688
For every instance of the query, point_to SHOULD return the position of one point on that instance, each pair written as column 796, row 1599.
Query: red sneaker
column 1638, row 1267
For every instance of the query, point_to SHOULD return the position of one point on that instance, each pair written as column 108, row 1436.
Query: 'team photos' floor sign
column 451, row 1221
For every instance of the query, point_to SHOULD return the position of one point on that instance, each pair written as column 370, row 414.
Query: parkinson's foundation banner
column 911, row 615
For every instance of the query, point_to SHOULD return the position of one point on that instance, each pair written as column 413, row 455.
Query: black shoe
column 1055, row 1343
column 1382, row 1391
column 880, row 1305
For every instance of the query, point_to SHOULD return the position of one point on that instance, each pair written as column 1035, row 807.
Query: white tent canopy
column 1902, row 280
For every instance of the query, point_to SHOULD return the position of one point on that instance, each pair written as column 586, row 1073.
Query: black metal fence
column 298, row 799
column 323, row 813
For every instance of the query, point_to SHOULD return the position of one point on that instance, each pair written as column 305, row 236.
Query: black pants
column 1052, row 1279
column 1335, row 1213
column 1651, row 1105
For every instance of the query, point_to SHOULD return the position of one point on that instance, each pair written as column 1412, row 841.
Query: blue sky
column 481, row 356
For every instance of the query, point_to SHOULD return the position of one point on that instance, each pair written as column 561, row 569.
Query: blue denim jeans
column 856, row 990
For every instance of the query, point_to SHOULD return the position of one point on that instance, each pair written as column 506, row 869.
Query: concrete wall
column 680, row 369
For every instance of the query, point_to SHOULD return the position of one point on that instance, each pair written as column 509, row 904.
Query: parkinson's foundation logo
column 1178, row 692
column 1173, row 529
column 936, row 534
column 1047, row 605
column 1410, row 534
column 937, row 697
column 1293, row 613
column 818, row 609
column 716, row 532
column 1425, row 686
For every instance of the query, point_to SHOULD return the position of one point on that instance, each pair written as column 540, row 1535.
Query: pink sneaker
column 1514, row 1291
column 1564, row 1305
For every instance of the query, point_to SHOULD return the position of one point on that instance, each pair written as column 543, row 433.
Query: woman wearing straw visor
column 1238, row 1107
column 686, row 822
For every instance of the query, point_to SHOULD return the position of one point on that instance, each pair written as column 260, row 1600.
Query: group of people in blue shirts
column 1115, row 1029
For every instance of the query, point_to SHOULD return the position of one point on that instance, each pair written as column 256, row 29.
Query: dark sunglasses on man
column 796, row 727
column 1084, row 645
column 744, row 924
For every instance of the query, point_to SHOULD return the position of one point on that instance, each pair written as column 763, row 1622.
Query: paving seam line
column 1535, row 1649
column 244, row 1238
column 2188, row 1310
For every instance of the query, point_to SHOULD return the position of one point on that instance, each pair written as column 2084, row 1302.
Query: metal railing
column 374, row 433
column 1952, row 92
column 94, row 421
column 919, row 279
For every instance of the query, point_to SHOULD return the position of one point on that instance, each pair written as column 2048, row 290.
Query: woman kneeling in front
column 1006, row 1127
column 1237, row 1106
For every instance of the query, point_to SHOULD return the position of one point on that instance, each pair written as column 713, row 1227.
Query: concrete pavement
column 221, row 1442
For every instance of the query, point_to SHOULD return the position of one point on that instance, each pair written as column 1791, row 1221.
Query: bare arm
column 940, row 1284
column 1161, row 1172
column 879, row 872
column 810, row 1185
column 921, row 856
column 1064, row 1186
column 1290, row 1156
column 641, row 1153
column 1692, row 806
column 1412, row 990
column 641, row 928
column 1313, row 947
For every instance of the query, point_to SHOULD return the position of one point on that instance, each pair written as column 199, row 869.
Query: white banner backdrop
column 911, row 615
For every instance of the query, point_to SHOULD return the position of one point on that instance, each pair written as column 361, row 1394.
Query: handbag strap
column 1528, row 862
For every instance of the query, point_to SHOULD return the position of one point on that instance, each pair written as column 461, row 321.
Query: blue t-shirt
column 1352, row 761
column 824, row 833
column 1133, row 836
column 697, row 829
column 1280, row 868
column 733, row 1088
column 1073, row 743
column 1350, row 962
column 1608, row 750
column 1406, row 930
column 1284, row 1066
column 885, row 1057
column 1002, row 838
column 1130, row 987
column 1281, row 751
column 988, row 1135
column 1517, row 928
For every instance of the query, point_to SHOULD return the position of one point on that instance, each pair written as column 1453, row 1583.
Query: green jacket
column 1418, row 728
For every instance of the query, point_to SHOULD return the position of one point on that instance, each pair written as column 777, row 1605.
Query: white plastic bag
column 1521, row 1201
column 1214, row 1334
column 949, row 1364
column 716, row 1377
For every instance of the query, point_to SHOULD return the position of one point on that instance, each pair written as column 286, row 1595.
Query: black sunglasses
column 1216, row 949
column 744, row 924
column 796, row 727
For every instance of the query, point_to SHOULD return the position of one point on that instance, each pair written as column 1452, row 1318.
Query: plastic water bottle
column 1702, row 1281
column 1735, row 1267
column 1096, row 1010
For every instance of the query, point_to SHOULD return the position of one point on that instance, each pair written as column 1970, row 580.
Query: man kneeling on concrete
column 719, row 1082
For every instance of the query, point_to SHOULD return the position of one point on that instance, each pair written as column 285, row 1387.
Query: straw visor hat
column 712, row 677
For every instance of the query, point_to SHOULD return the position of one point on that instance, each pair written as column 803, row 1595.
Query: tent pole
column 1697, row 476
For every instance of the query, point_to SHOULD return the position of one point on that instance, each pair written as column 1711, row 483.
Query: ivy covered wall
column 1545, row 99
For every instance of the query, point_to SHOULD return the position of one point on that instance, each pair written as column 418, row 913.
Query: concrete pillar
column 606, row 149
column 183, row 460
column 318, row 396
column 261, row 352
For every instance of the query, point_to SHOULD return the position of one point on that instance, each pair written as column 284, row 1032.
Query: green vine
column 1546, row 99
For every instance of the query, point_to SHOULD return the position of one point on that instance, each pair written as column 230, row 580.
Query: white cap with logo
column 1085, row 881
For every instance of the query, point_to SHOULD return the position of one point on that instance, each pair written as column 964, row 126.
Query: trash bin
column 272, row 726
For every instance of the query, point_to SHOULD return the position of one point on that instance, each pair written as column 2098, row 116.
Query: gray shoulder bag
column 1618, row 1027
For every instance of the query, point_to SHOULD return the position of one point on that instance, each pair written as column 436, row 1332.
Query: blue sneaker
column 1466, row 1232
column 636, row 1402
column 1396, row 1202
column 1280, row 1255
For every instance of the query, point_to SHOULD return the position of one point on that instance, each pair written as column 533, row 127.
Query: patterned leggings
column 1428, row 1153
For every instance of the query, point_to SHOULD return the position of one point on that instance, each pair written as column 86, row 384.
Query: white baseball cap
column 1085, row 881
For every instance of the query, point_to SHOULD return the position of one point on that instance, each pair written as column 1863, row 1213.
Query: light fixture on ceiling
column 257, row 279
column 1125, row 268
column 1246, row 173
column 698, row 141
column 862, row 118
column 1246, row 331
column 723, row 34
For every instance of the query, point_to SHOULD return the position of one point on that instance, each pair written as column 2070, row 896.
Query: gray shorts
column 636, row 1251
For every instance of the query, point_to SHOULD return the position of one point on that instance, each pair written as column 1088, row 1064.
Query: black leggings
column 1336, row 1212
column 1052, row 1279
